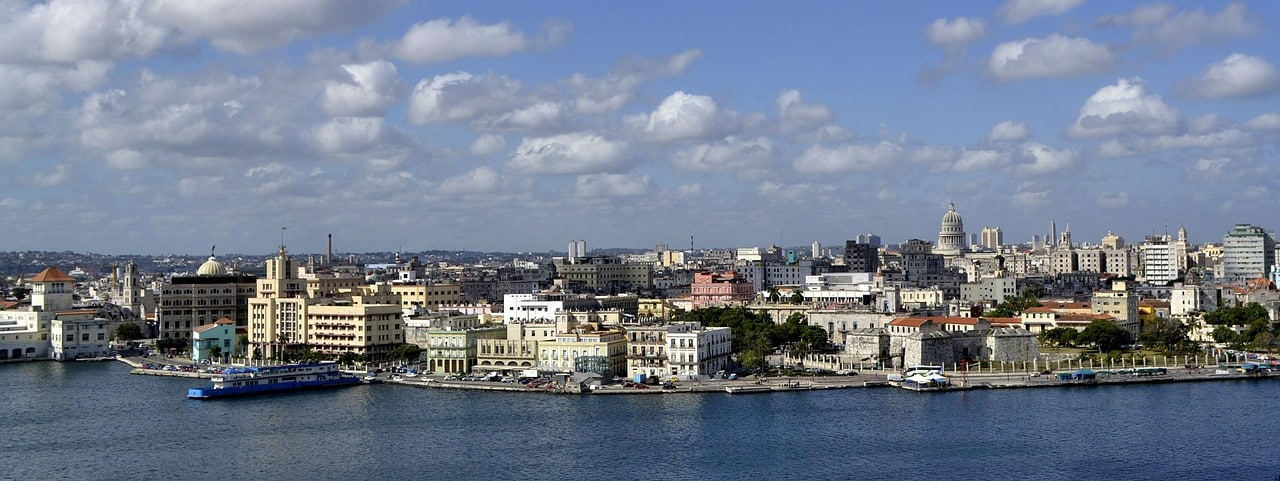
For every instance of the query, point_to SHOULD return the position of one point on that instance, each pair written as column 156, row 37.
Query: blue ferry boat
column 257, row 380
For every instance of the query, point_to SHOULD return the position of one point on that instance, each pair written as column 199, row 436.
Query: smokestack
column 328, row 258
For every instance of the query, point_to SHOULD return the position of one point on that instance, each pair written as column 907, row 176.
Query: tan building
column 431, row 296
column 585, row 347
column 292, row 315
column 449, row 351
column 517, row 350
column 213, row 293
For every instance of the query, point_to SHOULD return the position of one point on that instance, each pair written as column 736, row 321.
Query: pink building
column 710, row 289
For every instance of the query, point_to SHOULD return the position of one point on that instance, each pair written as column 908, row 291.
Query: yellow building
column 329, row 316
column 585, row 347
column 431, row 296
column 449, row 351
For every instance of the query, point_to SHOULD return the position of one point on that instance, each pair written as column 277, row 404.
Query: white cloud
column 1211, row 168
column 1156, row 27
column 350, row 134
column 981, row 159
column 1045, row 160
column 246, row 27
column 482, row 180
column 1112, row 200
column 1030, row 195
column 728, row 155
column 1009, row 131
column 1052, row 56
column 488, row 144
column 689, row 191
column 70, row 31
column 683, row 116
column 444, row 39
column 1268, row 121
column 957, row 32
column 463, row 97
column 574, row 153
column 821, row 160
column 376, row 85
column 610, row 93
column 1018, row 11
column 1123, row 108
column 794, row 114
column 612, row 185
column 40, row 87
column 1238, row 75
column 53, row 177
column 125, row 159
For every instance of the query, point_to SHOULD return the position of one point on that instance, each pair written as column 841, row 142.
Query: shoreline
column 867, row 379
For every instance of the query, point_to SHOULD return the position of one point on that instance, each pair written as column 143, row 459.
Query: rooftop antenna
column 211, row 249
column 282, row 229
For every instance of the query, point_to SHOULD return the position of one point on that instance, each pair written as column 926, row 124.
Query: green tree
column 19, row 293
column 797, row 296
column 1059, row 336
column 1237, row 316
column 405, row 353
column 1224, row 335
column 215, row 353
column 1166, row 334
column 129, row 332
column 1105, row 335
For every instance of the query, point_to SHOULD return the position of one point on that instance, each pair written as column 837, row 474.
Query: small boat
column 264, row 379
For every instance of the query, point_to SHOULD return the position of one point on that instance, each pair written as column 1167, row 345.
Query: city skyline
column 150, row 126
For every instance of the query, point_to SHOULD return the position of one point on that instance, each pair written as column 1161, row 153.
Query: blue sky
column 168, row 126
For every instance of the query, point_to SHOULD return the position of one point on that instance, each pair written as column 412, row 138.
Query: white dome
column 952, row 217
column 211, row 267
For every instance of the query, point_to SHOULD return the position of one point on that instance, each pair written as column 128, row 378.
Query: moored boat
column 264, row 379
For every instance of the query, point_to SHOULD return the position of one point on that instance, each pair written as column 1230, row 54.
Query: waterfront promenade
column 977, row 379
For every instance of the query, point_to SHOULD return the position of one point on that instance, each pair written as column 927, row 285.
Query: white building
column 1248, row 252
column 694, row 351
column 1159, row 259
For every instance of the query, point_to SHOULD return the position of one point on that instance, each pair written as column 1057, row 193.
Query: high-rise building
column 1112, row 241
column 992, row 238
column 861, row 257
column 1159, row 264
column 869, row 239
column 816, row 251
column 1248, row 252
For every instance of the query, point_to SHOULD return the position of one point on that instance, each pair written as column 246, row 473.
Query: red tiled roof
column 909, row 321
column 1003, row 321
column 8, row 304
column 52, row 274
column 225, row 320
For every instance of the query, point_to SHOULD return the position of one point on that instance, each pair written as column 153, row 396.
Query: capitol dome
column 951, row 238
column 952, row 218
column 211, row 267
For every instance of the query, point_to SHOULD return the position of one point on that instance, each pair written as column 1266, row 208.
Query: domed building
column 211, row 267
column 951, row 238
column 215, row 292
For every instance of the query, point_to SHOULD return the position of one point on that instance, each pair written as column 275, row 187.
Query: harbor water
column 86, row 421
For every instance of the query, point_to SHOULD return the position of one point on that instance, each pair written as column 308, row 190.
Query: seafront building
column 213, row 293
column 218, row 337
column 327, row 315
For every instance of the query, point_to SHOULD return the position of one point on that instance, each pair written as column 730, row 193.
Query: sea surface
column 91, row 421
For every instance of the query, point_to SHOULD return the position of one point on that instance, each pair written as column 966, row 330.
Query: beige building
column 291, row 315
column 213, row 293
column 517, row 350
column 449, row 351
column 585, row 347
column 431, row 296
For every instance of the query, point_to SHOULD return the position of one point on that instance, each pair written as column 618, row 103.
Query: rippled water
column 95, row 421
